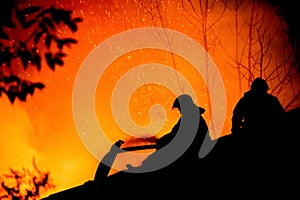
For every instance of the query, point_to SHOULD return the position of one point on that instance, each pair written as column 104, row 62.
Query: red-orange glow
column 44, row 128
column 148, row 95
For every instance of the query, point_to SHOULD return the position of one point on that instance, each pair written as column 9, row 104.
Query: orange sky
column 44, row 126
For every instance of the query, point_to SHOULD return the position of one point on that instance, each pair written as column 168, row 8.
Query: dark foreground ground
column 238, row 167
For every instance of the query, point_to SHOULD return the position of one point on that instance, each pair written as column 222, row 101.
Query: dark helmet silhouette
column 187, row 101
column 259, row 84
column 184, row 98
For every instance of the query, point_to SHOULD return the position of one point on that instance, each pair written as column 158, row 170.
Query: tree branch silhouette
column 41, row 42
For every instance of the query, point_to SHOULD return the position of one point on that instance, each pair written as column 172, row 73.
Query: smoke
column 15, row 129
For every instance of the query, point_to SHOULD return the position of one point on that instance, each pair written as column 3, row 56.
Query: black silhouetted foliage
column 24, row 184
column 27, row 36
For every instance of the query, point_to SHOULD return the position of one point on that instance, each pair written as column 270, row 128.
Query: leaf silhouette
column 43, row 27
column 60, row 54
column 25, row 57
column 11, row 96
column 29, row 89
column 32, row 9
column 20, row 15
column 5, row 57
column 50, row 61
column 43, row 13
column 22, row 95
column 1, row 90
column 48, row 40
column 49, row 22
column 11, row 78
column 66, row 41
column 38, row 85
column 37, row 61
column 29, row 23
column 77, row 19
column 72, row 25
column 58, row 61
column 59, row 15
column 37, row 37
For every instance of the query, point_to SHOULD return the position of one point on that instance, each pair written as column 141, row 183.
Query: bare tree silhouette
column 256, row 29
column 253, row 56
column 27, row 36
